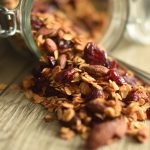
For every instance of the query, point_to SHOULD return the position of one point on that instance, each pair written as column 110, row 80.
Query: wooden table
column 21, row 122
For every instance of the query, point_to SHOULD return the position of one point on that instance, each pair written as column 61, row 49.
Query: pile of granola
column 89, row 92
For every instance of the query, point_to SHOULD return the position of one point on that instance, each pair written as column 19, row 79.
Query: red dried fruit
column 136, row 95
column 130, row 80
column 40, row 82
column 37, row 89
column 148, row 113
column 36, row 22
column 37, row 70
column 112, row 64
column 95, row 94
column 115, row 76
column 50, row 91
column 65, row 44
column 94, row 56
column 66, row 75
column 102, row 133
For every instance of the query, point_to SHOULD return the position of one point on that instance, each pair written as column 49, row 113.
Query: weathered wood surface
column 21, row 122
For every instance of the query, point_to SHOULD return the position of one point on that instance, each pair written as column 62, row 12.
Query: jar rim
column 24, row 8
column 119, row 17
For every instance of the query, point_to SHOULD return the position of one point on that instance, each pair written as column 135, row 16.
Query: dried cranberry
column 40, row 82
column 37, row 89
column 112, row 64
column 148, row 113
column 64, row 44
column 50, row 91
column 136, row 95
column 115, row 76
column 36, row 22
column 52, row 61
column 95, row 94
column 37, row 70
column 65, row 76
column 130, row 80
column 94, row 56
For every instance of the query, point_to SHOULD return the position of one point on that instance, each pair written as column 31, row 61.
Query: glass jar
column 126, row 17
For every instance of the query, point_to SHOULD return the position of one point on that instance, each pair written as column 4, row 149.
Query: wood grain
column 21, row 122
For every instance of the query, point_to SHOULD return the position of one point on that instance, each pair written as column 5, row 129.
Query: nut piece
column 62, row 60
column 96, row 70
column 101, row 134
column 50, row 45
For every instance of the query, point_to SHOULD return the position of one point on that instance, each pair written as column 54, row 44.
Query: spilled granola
column 88, row 91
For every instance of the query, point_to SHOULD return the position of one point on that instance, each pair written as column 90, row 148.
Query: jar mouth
column 119, row 12
column 25, row 8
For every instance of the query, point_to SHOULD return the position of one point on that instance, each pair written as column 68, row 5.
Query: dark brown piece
column 102, row 133
column 142, row 135
column 96, row 70
column 95, row 106
column 148, row 113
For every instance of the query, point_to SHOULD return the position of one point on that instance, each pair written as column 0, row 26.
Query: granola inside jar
column 96, row 22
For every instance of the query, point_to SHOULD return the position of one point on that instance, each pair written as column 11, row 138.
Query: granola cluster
column 90, row 93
